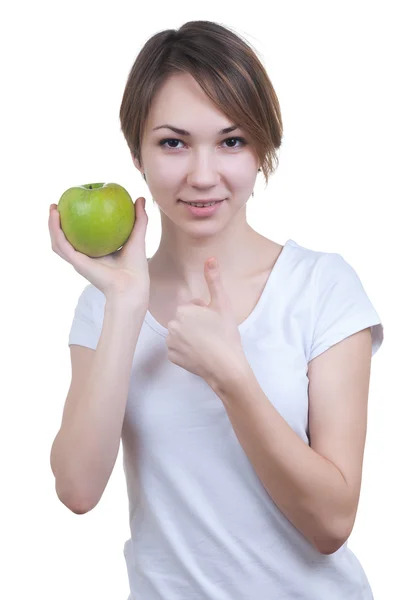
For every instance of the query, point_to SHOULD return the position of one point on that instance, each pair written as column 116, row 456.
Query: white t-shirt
column 202, row 525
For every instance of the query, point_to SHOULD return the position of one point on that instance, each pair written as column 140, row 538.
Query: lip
column 204, row 201
column 205, row 211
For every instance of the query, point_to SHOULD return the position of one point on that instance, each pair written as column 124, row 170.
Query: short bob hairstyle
column 226, row 68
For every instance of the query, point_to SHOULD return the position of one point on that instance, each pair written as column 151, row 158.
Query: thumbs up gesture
column 204, row 338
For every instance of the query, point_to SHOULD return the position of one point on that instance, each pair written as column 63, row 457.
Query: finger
column 137, row 236
column 198, row 302
column 215, row 284
column 60, row 244
column 52, row 228
column 141, row 220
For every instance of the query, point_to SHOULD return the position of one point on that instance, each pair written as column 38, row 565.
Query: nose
column 204, row 171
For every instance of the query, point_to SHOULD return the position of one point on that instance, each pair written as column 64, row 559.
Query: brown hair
column 227, row 69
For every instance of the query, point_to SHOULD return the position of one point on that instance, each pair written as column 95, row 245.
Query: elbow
column 331, row 548
column 75, row 503
column 78, row 508
column 332, row 538
column 331, row 544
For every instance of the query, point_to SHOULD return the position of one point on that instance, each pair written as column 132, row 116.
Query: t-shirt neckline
column 154, row 324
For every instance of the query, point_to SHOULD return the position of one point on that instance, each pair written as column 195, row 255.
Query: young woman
column 240, row 392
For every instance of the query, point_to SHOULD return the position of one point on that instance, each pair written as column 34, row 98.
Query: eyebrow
column 183, row 132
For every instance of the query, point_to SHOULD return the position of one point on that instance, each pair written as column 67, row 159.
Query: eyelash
column 162, row 142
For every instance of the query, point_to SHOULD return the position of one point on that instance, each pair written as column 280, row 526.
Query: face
column 207, row 164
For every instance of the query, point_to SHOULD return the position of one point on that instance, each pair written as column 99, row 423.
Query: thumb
column 137, row 236
column 215, row 285
column 140, row 204
column 141, row 218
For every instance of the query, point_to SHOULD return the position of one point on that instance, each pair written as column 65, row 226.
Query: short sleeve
column 341, row 306
column 85, row 330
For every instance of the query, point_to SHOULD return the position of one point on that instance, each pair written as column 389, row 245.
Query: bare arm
column 86, row 447
column 316, row 487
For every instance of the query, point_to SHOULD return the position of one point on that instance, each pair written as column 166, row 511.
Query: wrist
column 232, row 373
column 122, row 303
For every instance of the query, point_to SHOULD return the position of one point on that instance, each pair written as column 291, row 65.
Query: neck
column 179, row 261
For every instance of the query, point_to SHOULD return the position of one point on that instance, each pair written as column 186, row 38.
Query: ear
column 136, row 163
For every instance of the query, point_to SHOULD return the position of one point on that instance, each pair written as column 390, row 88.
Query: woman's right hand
column 119, row 274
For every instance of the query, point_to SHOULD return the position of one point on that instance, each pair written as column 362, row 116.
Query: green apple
column 96, row 218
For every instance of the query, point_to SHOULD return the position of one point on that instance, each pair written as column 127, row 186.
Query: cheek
column 241, row 172
column 165, row 174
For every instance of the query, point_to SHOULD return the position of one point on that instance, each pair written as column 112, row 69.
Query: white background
column 335, row 67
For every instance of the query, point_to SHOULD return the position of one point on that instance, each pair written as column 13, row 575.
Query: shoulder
column 320, row 267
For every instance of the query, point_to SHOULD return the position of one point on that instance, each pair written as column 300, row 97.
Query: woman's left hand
column 204, row 338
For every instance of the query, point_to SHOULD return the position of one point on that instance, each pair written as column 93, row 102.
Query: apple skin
column 96, row 218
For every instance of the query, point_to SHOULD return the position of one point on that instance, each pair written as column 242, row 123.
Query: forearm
column 309, row 490
column 86, row 448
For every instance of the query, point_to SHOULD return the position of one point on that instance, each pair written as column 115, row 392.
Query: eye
column 163, row 143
